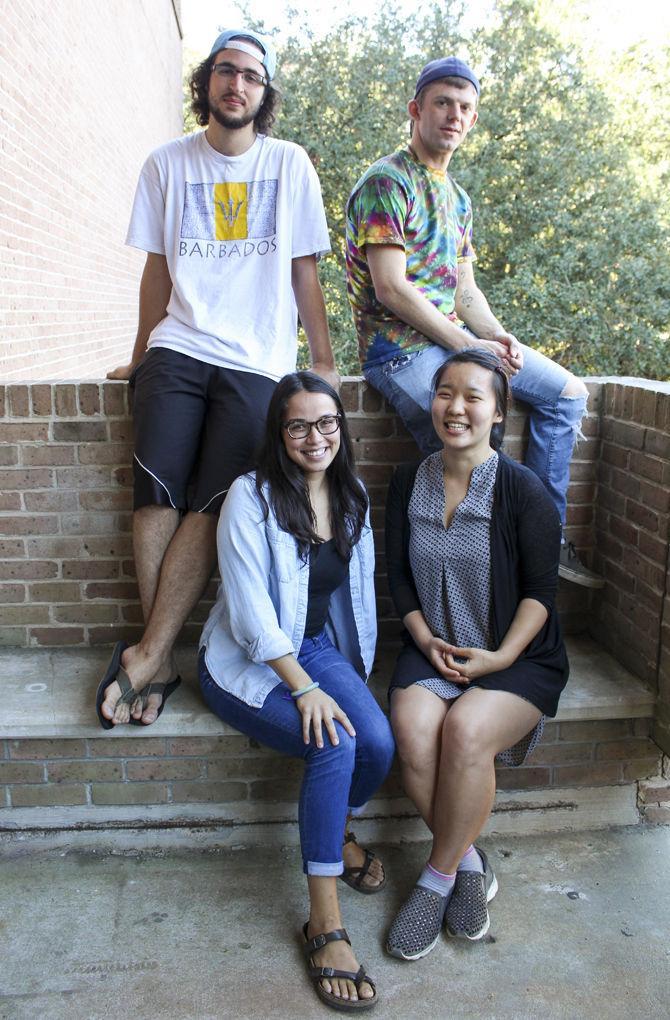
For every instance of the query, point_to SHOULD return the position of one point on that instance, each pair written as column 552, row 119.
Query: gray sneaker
column 572, row 569
column 467, row 914
column 417, row 925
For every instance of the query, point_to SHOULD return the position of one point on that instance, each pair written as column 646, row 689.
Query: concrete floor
column 580, row 929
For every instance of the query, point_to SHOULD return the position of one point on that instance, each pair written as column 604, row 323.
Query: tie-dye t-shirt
column 399, row 201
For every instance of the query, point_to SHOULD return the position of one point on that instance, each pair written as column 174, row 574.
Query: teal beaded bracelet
column 305, row 690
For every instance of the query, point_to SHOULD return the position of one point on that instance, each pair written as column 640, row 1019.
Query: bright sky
column 607, row 25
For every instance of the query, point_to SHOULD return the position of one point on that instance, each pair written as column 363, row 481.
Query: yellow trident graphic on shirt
column 230, row 211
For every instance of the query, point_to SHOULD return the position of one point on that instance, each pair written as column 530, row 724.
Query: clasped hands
column 508, row 349
column 478, row 661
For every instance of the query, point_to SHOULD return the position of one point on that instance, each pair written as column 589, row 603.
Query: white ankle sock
column 437, row 881
column 471, row 861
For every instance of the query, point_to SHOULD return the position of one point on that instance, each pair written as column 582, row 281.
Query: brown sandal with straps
column 355, row 877
column 317, row 974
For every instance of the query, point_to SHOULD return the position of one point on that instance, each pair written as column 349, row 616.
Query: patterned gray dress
column 452, row 572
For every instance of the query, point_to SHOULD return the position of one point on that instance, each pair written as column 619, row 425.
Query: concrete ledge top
column 49, row 693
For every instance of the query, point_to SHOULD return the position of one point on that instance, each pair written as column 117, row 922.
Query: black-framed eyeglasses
column 229, row 71
column 326, row 425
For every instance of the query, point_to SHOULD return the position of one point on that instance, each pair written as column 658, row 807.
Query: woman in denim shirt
column 289, row 644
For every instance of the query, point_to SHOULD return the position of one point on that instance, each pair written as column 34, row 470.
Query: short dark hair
column 289, row 496
column 198, row 84
column 499, row 382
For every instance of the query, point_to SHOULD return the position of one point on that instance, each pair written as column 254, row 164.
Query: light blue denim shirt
column 261, row 604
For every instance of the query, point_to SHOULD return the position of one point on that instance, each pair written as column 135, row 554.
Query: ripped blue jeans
column 405, row 382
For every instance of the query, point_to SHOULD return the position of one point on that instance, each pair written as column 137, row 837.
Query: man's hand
column 327, row 372
column 493, row 346
column 122, row 372
column 512, row 356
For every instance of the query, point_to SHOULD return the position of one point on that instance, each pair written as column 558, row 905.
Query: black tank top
column 327, row 571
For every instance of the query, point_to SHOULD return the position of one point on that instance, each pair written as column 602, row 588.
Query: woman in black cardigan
column 472, row 550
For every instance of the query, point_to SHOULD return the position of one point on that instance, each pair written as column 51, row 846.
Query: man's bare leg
column 154, row 528
column 169, row 588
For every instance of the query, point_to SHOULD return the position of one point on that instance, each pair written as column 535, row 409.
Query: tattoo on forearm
column 467, row 297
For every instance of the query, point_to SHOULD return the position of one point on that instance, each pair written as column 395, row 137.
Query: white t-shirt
column 229, row 227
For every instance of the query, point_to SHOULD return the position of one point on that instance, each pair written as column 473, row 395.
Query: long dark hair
column 289, row 495
column 198, row 83
column 499, row 382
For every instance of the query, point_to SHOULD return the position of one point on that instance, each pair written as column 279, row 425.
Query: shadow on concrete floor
column 579, row 930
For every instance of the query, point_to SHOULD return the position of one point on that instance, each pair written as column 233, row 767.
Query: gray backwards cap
column 269, row 58
column 446, row 67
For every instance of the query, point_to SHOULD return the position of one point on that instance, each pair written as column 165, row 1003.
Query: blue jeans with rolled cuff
column 338, row 778
column 554, row 420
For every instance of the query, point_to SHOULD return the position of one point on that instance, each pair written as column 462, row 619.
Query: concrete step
column 189, row 778
column 50, row 693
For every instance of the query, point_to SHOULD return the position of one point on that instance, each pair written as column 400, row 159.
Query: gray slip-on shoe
column 417, row 924
column 467, row 915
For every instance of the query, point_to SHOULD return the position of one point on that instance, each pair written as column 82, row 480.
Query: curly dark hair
column 499, row 383
column 198, row 84
column 289, row 496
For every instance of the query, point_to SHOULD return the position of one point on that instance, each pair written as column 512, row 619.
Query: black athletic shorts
column 196, row 428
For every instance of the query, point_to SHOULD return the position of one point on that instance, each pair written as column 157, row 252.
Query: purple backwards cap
column 446, row 67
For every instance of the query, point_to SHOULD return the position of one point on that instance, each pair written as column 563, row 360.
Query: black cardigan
column 525, row 544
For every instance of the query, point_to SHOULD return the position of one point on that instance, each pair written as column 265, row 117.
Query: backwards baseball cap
column 446, row 67
column 249, row 42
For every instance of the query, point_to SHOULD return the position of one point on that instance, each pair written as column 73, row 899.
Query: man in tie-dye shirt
column 413, row 294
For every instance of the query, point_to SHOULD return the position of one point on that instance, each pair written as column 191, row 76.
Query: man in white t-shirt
column 232, row 221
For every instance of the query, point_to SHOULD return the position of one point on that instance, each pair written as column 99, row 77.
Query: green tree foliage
column 569, row 190
column 571, row 242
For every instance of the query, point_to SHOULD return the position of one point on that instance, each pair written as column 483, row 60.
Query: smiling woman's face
column 315, row 452
column 464, row 408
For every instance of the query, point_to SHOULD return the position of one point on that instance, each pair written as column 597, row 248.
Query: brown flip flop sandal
column 115, row 671
column 165, row 690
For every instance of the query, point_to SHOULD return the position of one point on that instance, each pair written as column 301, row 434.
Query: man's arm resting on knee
column 312, row 311
column 473, row 309
column 155, row 290
column 388, row 268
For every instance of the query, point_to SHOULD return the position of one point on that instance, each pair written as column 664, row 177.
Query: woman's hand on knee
column 318, row 709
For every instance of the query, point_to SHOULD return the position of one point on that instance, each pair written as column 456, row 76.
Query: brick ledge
column 48, row 694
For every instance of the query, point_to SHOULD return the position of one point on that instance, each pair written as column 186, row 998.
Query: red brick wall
column 632, row 617
column 87, row 88
column 231, row 768
column 662, row 732
column 66, row 567
column 633, row 522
